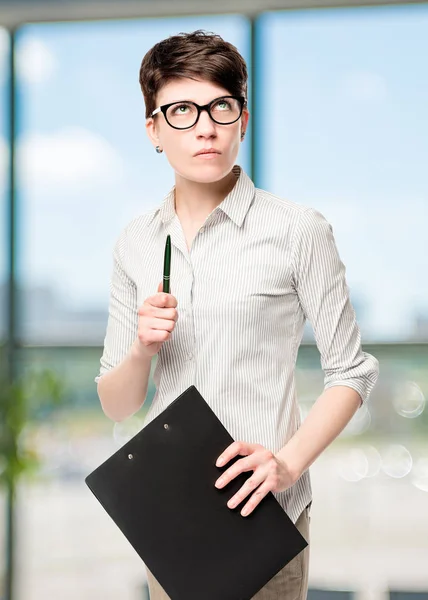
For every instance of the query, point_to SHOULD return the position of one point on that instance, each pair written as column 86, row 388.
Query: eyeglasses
column 183, row 115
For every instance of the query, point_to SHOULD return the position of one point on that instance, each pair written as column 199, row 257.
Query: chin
column 206, row 173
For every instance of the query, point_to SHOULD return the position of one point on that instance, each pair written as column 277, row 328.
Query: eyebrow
column 194, row 101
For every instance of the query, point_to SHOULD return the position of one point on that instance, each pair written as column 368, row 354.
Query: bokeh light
column 396, row 461
column 420, row 474
column 409, row 400
column 359, row 423
column 354, row 465
column 374, row 461
column 359, row 462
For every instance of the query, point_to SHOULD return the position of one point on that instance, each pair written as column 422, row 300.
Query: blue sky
column 343, row 94
column 89, row 102
column 348, row 91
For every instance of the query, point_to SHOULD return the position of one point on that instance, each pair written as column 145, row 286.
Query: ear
column 244, row 118
column 151, row 131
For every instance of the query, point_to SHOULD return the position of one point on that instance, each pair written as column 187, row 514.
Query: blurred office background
column 338, row 97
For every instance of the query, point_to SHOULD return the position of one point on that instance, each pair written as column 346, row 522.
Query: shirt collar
column 235, row 205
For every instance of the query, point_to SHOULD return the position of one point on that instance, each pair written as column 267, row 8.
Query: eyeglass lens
column 185, row 114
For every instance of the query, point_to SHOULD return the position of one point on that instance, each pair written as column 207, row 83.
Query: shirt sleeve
column 320, row 283
column 122, row 324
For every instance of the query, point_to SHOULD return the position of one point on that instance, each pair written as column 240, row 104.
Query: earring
column 158, row 149
column 242, row 136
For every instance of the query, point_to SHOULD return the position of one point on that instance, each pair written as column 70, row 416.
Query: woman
column 248, row 269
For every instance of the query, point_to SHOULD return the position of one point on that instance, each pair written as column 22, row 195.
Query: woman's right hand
column 157, row 317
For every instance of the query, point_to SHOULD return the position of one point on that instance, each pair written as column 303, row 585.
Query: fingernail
column 220, row 461
column 245, row 512
column 219, row 482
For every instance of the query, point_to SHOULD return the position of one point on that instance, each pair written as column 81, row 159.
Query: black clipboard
column 159, row 490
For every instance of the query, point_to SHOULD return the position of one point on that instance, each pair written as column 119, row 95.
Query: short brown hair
column 197, row 55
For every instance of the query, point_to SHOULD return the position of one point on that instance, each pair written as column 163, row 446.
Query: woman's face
column 181, row 146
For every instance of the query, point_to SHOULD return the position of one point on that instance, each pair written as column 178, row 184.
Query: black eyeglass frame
column 241, row 99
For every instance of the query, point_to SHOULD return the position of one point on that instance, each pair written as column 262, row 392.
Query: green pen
column 167, row 264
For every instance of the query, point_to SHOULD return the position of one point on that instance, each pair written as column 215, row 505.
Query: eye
column 181, row 109
column 222, row 104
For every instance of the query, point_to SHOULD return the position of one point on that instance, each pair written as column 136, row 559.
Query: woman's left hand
column 270, row 473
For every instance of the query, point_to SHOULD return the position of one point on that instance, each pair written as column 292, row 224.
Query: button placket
column 189, row 311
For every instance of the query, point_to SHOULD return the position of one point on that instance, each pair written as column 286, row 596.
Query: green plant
column 23, row 400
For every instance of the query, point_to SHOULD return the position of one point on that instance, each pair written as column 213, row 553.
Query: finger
column 235, row 449
column 156, row 335
column 148, row 310
column 249, row 486
column 163, row 300
column 256, row 498
column 162, row 324
column 160, row 288
column 163, row 313
column 243, row 465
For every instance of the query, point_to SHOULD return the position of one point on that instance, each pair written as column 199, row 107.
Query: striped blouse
column 257, row 269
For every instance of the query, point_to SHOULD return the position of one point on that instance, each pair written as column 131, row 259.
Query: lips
column 208, row 151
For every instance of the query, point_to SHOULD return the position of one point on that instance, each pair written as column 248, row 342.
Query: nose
column 205, row 126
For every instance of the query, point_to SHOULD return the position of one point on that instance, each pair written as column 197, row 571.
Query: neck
column 194, row 201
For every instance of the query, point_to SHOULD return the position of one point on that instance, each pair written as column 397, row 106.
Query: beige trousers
column 291, row 583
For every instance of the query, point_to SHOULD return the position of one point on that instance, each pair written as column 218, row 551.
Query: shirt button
column 202, row 229
column 189, row 356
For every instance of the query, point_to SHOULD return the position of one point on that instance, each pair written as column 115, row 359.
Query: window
column 343, row 98
column 4, row 55
column 341, row 101
column 86, row 166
